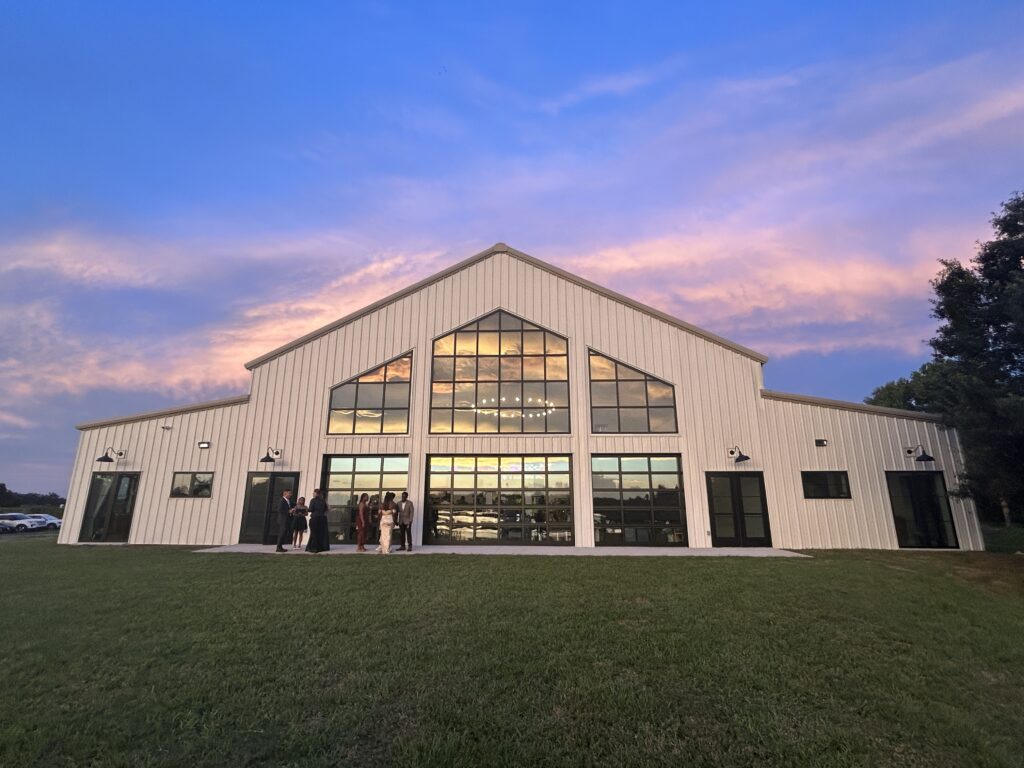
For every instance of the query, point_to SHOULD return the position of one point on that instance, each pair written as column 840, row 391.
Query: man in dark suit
column 284, row 520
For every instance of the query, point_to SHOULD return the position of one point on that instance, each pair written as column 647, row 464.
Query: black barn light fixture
column 737, row 454
column 919, row 452
column 272, row 455
column 111, row 455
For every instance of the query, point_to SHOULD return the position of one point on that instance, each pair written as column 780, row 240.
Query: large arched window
column 374, row 402
column 500, row 374
column 624, row 399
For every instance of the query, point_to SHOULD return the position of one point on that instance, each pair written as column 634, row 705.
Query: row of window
column 619, row 483
column 502, row 374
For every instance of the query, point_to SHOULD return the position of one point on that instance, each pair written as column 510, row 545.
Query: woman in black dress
column 299, row 527
column 318, row 535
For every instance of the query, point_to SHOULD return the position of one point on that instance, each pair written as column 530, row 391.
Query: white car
column 6, row 526
column 23, row 522
column 49, row 521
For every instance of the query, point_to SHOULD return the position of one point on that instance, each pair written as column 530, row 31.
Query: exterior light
column 820, row 442
column 919, row 452
column 111, row 455
column 204, row 444
column 737, row 454
column 272, row 454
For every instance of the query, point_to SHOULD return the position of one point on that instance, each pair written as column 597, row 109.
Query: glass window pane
column 464, row 422
column 339, row 481
column 558, row 463
column 534, row 464
column 533, row 368
column 487, row 395
column 659, row 393
column 396, row 421
column 669, row 482
column 181, row 484
column 341, row 464
column 633, row 420
column 341, row 422
column 511, row 343
column 440, row 463
column 511, row 464
column 465, row 343
column 601, row 368
column 558, row 420
column 625, row 372
column 605, row 419
column 445, row 345
column 533, row 342
column 662, row 419
column 396, row 463
column 632, row 393
column 367, row 480
column 369, row 464
column 396, row 482
column 370, row 396
column 558, row 394
column 368, row 422
column 508, row 322
column 465, row 369
column 554, row 345
column 487, row 421
column 376, row 375
column 604, row 464
column 603, row 393
column 343, row 396
column 440, row 420
column 444, row 368
column 400, row 369
column 441, row 395
column 511, row 368
column 396, row 395
column 490, row 322
column 488, row 343
column 464, row 396
column 558, row 480
column 464, row 463
column 664, row 464
column 487, row 368
column 510, row 421
column 558, row 368
column 635, row 464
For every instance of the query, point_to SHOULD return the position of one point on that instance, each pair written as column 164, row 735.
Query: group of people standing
column 292, row 522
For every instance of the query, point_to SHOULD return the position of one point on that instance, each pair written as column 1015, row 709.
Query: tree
column 7, row 498
column 975, row 379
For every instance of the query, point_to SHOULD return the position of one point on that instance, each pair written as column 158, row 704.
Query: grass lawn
column 160, row 657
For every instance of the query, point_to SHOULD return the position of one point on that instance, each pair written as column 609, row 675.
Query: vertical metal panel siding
column 718, row 405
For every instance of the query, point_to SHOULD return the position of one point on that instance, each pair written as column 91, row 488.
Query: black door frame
column 271, row 503
column 117, row 475
column 945, row 495
column 736, row 498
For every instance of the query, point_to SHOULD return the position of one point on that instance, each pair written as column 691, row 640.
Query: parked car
column 52, row 523
column 23, row 522
column 6, row 526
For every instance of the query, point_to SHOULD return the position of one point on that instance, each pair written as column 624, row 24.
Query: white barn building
column 520, row 404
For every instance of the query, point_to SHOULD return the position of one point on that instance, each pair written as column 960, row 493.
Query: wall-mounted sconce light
column 166, row 427
column 272, row 454
column 204, row 443
column 738, row 455
column 820, row 442
column 919, row 452
column 111, row 455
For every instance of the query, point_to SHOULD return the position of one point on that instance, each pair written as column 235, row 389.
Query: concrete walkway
column 473, row 549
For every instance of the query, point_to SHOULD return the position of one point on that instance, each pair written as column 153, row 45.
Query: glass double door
column 739, row 511
column 260, row 524
column 920, row 509
column 109, row 507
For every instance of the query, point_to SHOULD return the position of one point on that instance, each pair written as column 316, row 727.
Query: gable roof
column 532, row 261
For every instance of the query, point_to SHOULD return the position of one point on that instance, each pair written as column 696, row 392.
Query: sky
column 186, row 185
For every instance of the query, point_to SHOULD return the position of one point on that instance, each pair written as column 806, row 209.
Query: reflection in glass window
column 638, row 500
column 346, row 478
column 500, row 374
column 498, row 500
column 624, row 399
column 374, row 402
column 191, row 485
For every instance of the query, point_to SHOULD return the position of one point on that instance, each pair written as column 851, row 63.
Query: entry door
column 109, row 507
column 262, row 495
column 920, row 510
column 739, row 512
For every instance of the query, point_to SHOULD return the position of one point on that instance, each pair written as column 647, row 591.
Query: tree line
column 9, row 498
column 975, row 378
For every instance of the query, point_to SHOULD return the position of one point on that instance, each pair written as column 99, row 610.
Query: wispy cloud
column 14, row 420
column 615, row 84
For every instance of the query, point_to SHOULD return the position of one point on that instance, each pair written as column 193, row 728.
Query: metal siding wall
column 718, row 405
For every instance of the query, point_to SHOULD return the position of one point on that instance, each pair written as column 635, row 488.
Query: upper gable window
column 500, row 374
column 623, row 399
column 374, row 402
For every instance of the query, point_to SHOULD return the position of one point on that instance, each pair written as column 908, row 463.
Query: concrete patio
column 434, row 549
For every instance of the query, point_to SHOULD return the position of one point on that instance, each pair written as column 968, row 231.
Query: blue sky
column 187, row 185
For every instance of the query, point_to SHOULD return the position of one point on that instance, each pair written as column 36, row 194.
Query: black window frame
column 827, row 474
column 191, row 484
column 383, row 408
column 341, row 519
column 647, row 407
column 432, row 517
column 651, row 525
column 565, row 410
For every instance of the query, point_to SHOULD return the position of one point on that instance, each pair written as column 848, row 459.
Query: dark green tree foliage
column 976, row 377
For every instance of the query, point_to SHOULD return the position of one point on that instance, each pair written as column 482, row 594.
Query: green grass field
column 161, row 657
